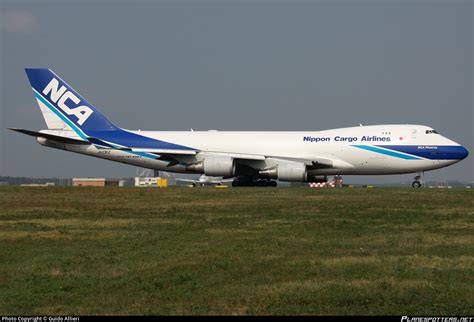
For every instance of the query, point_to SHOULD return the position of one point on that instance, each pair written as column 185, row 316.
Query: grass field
column 236, row 251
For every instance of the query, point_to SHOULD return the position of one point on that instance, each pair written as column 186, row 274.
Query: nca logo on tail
column 60, row 95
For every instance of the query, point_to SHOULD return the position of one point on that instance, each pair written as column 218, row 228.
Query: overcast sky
column 238, row 65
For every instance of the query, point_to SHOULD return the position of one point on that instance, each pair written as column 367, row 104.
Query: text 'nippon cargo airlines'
column 251, row 158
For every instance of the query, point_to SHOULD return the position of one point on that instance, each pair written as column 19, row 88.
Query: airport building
column 97, row 182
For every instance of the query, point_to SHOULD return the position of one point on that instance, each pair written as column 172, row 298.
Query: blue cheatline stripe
column 60, row 115
column 143, row 154
column 77, row 130
column 432, row 152
column 386, row 152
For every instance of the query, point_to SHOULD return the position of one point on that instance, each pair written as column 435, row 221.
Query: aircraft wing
column 172, row 155
column 165, row 151
column 320, row 162
column 313, row 162
column 194, row 152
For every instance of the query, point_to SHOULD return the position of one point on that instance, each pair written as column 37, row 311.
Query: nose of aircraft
column 456, row 151
column 463, row 152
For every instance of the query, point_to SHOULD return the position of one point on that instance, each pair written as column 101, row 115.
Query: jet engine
column 214, row 166
column 286, row 171
column 291, row 171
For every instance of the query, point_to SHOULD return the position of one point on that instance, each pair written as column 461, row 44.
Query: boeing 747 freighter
column 251, row 158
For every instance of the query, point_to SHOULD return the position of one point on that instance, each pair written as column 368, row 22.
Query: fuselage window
column 431, row 132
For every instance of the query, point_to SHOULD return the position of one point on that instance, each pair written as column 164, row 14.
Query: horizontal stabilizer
column 51, row 137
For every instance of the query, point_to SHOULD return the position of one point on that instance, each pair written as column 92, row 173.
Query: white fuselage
column 351, row 149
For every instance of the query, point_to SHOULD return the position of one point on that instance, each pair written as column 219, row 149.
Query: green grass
column 236, row 251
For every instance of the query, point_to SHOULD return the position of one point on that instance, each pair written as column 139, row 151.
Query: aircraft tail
column 62, row 107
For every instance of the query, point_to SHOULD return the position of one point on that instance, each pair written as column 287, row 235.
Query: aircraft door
column 413, row 134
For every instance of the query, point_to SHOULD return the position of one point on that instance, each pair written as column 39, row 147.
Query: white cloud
column 18, row 21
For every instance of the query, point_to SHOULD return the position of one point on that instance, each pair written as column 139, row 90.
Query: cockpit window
column 431, row 132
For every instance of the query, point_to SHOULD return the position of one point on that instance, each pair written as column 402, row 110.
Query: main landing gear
column 417, row 183
column 253, row 183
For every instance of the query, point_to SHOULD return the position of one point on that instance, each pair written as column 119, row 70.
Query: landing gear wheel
column 249, row 182
column 416, row 184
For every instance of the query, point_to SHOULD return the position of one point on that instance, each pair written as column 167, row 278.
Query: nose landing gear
column 417, row 183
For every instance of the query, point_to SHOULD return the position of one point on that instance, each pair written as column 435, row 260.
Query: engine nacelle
column 214, row 167
column 292, row 172
column 286, row 171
